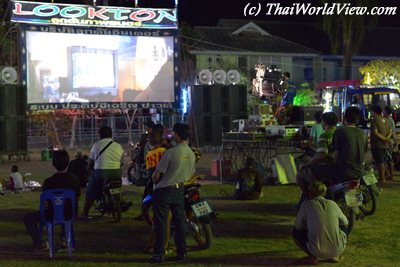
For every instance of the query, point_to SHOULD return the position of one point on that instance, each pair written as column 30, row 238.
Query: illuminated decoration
column 80, row 15
column 327, row 104
column 184, row 100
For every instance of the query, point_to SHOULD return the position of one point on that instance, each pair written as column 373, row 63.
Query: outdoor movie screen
column 71, row 68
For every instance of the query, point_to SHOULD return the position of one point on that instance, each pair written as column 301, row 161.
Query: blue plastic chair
column 56, row 199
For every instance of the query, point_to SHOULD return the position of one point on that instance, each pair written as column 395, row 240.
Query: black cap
column 149, row 124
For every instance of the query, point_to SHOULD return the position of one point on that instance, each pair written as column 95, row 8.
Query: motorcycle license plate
column 353, row 198
column 201, row 208
column 370, row 178
column 116, row 191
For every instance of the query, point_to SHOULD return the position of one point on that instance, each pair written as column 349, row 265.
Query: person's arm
column 161, row 168
column 156, row 176
column 375, row 132
column 90, row 165
column 342, row 218
column 301, row 218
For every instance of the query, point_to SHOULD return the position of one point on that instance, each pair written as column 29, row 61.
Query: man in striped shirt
column 325, row 152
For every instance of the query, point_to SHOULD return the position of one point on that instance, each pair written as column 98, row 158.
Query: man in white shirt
column 317, row 231
column 105, row 158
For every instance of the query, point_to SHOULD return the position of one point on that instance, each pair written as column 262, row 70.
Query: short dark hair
column 317, row 116
column 352, row 115
column 182, row 130
column 60, row 160
column 329, row 118
column 105, row 132
column 14, row 168
column 376, row 109
column 286, row 74
column 388, row 110
column 157, row 134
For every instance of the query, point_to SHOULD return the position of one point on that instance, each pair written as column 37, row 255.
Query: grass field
column 246, row 233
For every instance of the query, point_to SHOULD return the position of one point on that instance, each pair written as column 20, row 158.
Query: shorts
column 379, row 155
column 98, row 179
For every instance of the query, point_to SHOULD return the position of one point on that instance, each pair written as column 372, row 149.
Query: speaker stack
column 216, row 105
column 13, row 136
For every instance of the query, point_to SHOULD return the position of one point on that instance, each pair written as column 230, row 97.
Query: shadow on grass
column 14, row 215
column 250, row 259
column 238, row 229
column 281, row 209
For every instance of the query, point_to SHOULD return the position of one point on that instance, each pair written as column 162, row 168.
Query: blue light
column 184, row 100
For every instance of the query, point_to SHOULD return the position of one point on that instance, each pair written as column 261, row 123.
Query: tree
column 383, row 72
column 346, row 32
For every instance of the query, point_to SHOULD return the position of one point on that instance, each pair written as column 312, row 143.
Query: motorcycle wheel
column 369, row 200
column 348, row 212
column 116, row 207
column 203, row 235
column 147, row 211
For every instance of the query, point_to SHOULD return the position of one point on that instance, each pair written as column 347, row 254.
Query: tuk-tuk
column 337, row 96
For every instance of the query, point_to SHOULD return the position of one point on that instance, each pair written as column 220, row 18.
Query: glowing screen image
column 64, row 67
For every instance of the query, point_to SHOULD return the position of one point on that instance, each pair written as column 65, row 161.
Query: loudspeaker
column 206, row 99
column 12, row 100
column 305, row 115
column 13, row 135
column 219, row 99
column 13, row 118
column 209, row 128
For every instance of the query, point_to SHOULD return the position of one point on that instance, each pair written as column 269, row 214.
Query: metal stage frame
column 262, row 150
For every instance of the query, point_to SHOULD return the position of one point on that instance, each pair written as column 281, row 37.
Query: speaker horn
column 8, row 75
column 205, row 76
column 233, row 76
column 219, row 76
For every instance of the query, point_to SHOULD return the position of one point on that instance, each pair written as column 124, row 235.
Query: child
column 16, row 182
column 249, row 182
column 316, row 130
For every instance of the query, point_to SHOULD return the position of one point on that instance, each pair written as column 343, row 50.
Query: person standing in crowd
column 175, row 167
column 392, row 143
column 316, row 129
column 317, row 230
column 78, row 167
column 249, row 181
column 16, row 182
column 60, row 180
column 379, row 138
column 106, row 159
column 324, row 154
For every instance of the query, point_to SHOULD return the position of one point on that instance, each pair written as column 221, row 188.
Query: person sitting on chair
column 60, row 180
column 318, row 227
column 249, row 185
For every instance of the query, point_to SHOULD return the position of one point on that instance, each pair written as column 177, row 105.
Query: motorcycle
column 111, row 201
column 348, row 197
column 137, row 173
column 199, row 213
column 370, row 190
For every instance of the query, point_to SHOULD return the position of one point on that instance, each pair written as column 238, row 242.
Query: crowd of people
column 167, row 169
column 318, row 231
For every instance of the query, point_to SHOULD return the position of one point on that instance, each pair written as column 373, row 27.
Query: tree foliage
column 382, row 72
column 305, row 96
column 346, row 33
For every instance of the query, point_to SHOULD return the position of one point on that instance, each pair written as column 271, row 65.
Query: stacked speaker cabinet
column 13, row 135
column 214, row 108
